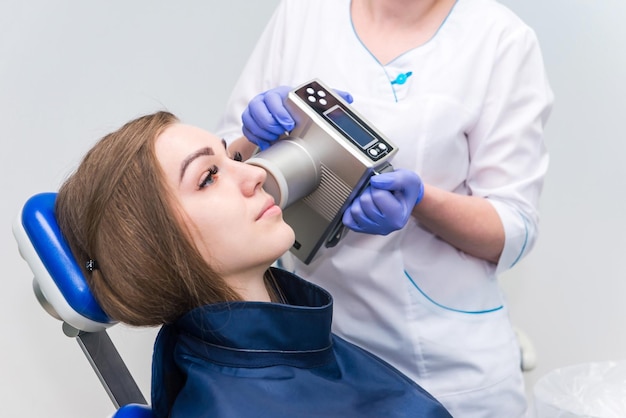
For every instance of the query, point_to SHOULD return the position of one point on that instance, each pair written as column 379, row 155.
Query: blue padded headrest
column 40, row 225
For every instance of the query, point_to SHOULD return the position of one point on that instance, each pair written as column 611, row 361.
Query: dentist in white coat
column 460, row 87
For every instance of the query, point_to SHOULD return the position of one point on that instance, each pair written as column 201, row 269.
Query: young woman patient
column 174, row 231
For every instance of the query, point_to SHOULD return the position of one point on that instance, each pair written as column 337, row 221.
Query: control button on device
column 310, row 90
column 321, row 93
column 312, row 99
column 323, row 102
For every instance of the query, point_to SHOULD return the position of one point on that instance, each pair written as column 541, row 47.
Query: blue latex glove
column 266, row 118
column 386, row 204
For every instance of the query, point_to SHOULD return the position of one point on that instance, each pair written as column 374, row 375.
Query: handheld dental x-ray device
column 318, row 168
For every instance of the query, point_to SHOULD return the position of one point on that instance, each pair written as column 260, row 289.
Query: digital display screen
column 350, row 127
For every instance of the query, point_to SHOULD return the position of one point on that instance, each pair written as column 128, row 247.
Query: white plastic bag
column 594, row 390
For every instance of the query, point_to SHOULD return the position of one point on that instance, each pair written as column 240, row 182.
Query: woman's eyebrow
column 201, row 152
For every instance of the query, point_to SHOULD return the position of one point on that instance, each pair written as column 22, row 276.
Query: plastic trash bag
column 596, row 390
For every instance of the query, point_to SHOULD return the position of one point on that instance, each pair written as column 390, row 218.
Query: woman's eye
column 209, row 177
column 237, row 156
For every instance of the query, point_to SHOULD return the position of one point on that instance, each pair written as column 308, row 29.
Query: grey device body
column 318, row 168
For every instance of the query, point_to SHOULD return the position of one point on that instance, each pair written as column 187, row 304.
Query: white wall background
column 569, row 295
column 71, row 71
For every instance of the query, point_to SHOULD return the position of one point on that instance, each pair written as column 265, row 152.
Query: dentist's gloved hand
column 386, row 204
column 266, row 118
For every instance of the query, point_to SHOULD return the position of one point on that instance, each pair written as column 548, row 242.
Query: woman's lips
column 270, row 209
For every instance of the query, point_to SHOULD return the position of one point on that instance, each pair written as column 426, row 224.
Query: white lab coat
column 468, row 119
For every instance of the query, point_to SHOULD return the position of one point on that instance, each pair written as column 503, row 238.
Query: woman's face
column 234, row 223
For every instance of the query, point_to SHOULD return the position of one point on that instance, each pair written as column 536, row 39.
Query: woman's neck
column 403, row 13
column 250, row 286
column 389, row 28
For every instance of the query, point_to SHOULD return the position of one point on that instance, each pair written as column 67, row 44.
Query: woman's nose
column 254, row 178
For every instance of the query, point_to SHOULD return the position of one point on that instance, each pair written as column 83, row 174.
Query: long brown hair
column 116, row 209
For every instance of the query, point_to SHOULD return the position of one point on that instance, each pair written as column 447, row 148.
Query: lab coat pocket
column 463, row 352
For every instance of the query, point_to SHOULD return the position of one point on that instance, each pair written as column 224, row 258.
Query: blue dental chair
column 62, row 290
